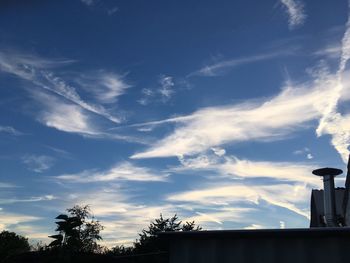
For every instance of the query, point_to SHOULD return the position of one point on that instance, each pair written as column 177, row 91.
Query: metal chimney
column 328, row 175
column 346, row 203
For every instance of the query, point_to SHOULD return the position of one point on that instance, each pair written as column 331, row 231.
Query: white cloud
column 295, row 11
column 305, row 151
column 89, row 2
column 64, row 117
column 147, row 95
column 219, row 215
column 331, row 51
column 8, row 220
column 274, row 119
column 166, row 87
column 218, row 67
column 10, row 130
column 202, row 161
column 32, row 199
column 112, row 11
column 235, row 168
column 291, row 197
column 121, row 171
column 106, row 86
column 282, row 225
column 163, row 93
column 332, row 121
column 309, row 156
column 6, row 185
column 301, row 151
column 218, row 151
column 254, row 226
column 284, row 184
column 35, row 70
column 33, row 232
column 280, row 171
column 38, row 163
column 71, row 118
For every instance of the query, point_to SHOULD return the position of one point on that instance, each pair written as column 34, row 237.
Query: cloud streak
column 8, row 220
column 35, row 70
column 274, row 119
column 235, row 168
column 10, row 130
column 332, row 121
column 217, row 68
column 295, row 11
column 282, row 195
column 120, row 172
column 29, row 200
column 106, row 86
column 88, row 2
column 38, row 163
column 71, row 118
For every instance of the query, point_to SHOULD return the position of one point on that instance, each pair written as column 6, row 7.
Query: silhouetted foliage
column 120, row 251
column 38, row 246
column 77, row 231
column 12, row 244
column 149, row 241
column 190, row 226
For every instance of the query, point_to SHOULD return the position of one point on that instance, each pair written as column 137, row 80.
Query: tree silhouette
column 12, row 244
column 149, row 241
column 78, row 231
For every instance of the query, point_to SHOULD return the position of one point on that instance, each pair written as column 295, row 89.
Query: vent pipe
column 346, row 203
column 328, row 175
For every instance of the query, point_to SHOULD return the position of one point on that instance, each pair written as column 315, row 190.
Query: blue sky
column 217, row 111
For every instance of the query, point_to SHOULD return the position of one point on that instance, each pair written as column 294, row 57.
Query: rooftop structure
column 327, row 239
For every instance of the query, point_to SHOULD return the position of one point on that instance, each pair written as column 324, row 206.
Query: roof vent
column 328, row 175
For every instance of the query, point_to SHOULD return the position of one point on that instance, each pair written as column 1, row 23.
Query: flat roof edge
column 290, row 232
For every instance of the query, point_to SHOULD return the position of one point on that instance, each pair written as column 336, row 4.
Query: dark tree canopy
column 12, row 244
column 149, row 241
column 78, row 231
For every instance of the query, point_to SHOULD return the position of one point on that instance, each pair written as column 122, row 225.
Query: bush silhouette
column 78, row 231
column 12, row 244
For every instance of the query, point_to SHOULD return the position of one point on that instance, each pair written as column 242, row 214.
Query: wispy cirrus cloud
column 218, row 68
column 291, row 197
column 71, row 118
column 119, row 172
column 295, row 11
column 166, row 89
column 106, row 86
column 112, row 10
column 273, row 119
column 28, row 200
column 9, row 220
column 332, row 51
column 10, row 130
column 219, row 215
column 332, row 121
column 89, row 2
column 235, row 168
column 305, row 151
column 7, row 185
column 36, row 70
column 163, row 93
column 38, row 163
column 64, row 116
column 293, row 109
column 33, row 232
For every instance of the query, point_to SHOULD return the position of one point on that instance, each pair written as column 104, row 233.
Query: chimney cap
column 327, row 171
